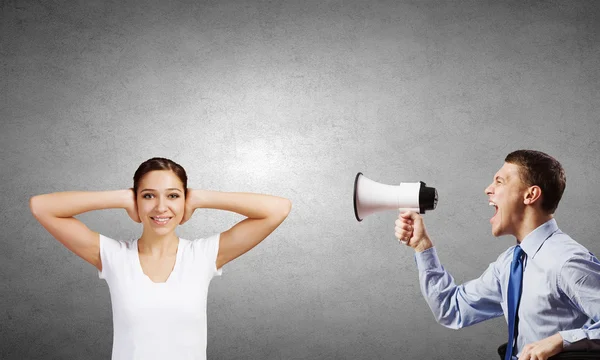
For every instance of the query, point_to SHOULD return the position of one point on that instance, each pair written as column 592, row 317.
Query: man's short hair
column 541, row 169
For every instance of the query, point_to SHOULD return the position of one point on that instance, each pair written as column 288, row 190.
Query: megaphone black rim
column 355, row 203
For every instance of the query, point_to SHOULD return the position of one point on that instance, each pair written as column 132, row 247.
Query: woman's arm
column 56, row 213
column 264, row 214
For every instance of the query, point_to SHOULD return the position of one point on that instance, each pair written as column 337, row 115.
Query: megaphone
column 371, row 196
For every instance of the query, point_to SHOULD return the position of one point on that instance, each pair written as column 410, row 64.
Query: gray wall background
column 292, row 99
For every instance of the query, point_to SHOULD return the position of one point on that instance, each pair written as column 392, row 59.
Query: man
column 552, row 287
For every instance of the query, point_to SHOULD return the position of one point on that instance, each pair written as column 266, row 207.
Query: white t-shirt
column 159, row 320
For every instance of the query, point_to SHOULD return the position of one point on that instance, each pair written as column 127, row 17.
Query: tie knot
column 517, row 253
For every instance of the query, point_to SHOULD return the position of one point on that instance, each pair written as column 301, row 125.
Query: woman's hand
column 131, row 207
column 190, row 206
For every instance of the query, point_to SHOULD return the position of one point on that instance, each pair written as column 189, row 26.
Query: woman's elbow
column 285, row 207
column 280, row 209
column 34, row 206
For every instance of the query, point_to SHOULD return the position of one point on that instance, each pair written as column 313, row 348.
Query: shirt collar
column 534, row 240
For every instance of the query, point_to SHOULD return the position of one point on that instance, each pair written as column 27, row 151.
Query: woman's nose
column 161, row 206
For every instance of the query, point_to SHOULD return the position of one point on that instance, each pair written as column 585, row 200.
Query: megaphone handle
column 403, row 242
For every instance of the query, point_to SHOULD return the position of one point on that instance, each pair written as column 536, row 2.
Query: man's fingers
column 406, row 214
column 403, row 225
column 409, row 215
column 526, row 352
column 402, row 234
column 404, row 229
column 402, row 222
column 533, row 352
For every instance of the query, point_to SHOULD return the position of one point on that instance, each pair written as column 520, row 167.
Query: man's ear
column 532, row 195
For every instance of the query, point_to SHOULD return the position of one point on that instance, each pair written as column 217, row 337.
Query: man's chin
column 497, row 232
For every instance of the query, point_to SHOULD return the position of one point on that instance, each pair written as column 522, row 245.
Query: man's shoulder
column 560, row 248
column 564, row 245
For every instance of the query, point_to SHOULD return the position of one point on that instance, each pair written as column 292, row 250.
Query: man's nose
column 488, row 190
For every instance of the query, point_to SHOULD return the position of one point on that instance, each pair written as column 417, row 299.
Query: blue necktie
column 514, row 294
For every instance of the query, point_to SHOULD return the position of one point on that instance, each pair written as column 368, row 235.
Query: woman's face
column 160, row 201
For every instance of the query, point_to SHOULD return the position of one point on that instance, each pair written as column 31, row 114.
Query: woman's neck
column 154, row 244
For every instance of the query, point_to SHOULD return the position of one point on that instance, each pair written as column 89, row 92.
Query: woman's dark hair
column 158, row 163
column 541, row 169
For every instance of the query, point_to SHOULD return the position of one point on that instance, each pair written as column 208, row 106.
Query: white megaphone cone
column 371, row 196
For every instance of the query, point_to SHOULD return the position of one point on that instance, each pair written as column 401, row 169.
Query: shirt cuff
column 427, row 260
column 572, row 336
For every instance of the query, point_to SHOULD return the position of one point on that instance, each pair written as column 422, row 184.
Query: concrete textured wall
column 291, row 98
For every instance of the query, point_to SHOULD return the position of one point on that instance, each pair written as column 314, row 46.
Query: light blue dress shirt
column 561, row 291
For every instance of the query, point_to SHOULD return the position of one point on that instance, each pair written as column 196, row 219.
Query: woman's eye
column 174, row 196
column 147, row 196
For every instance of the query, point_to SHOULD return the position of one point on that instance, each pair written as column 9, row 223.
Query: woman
column 159, row 282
